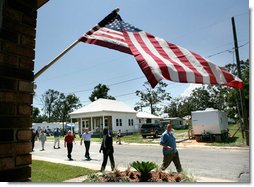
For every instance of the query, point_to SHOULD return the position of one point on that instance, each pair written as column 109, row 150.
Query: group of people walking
column 106, row 146
column 42, row 136
column 167, row 142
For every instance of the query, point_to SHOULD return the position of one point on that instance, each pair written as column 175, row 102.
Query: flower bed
column 135, row 176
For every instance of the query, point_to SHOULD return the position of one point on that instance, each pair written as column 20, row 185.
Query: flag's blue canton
column 119, row 25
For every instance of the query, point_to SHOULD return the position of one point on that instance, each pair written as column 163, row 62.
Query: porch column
column 91, row 123
column 80, row 125
column 103, row 122
column 71, row 127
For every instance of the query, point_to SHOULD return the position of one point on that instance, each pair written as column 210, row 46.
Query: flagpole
column 102, row 23
column 55, row 59
column 241, row 93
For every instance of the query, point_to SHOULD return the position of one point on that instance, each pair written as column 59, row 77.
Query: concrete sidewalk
column 96, row 167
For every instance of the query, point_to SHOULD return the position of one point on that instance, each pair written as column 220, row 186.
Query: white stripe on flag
column 189, row 73
column 109, row 40
column 102, row 33
column 196, row 64
column 151, row 62
column 171, row 69
column 217, row 73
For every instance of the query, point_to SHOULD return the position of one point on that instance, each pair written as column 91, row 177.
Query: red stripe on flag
column 230, row 79
column 141, row 61
column 180, row 71
column 206, row 66
column 163, row 67
column 108, row 36
column 106, row 44
column 112, row 32
column 185, row 61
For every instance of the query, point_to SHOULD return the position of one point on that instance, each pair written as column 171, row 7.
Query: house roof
column 104, row 105
column 147, row 115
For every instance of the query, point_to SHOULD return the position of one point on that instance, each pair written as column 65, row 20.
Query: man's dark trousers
column 87, row 145
column 69, row 149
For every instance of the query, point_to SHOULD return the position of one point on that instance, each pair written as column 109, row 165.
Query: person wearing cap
column 169, row 150
column 68, row 141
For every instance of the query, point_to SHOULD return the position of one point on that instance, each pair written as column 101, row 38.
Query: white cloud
column 188, row 90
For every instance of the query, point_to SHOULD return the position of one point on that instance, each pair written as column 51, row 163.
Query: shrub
column 144, row 168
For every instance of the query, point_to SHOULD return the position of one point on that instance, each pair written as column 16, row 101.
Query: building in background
column 112, row 114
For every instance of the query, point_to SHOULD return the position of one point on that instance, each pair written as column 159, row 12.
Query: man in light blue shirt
column 86, row 136
column 57, row 136
column 169, row 150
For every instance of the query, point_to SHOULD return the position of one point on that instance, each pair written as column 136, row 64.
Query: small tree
column 48, row 99
column 152, row 97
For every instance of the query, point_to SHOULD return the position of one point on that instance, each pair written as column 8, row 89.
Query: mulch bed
column 135, row 176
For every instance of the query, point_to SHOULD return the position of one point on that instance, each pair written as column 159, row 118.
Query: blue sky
column 202, row 26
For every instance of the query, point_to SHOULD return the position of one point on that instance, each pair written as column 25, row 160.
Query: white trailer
column 210, row 123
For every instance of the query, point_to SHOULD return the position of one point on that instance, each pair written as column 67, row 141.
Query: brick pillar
column 17, row 43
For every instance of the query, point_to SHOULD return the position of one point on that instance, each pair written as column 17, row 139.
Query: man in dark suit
column 107, row 149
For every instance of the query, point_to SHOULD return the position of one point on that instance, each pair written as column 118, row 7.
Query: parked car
column 152, row 129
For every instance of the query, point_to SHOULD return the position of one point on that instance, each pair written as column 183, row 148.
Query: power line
column 228, row 50
column 117, row 83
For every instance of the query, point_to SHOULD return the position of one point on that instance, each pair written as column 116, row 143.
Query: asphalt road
column 219, row 163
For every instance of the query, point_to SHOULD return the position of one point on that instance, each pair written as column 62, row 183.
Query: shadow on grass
column 230, row 140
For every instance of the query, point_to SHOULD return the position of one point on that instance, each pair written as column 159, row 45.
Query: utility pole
column 241, row 93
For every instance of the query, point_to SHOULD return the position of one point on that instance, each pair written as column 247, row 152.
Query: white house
column 112, row 114
column 102, row 113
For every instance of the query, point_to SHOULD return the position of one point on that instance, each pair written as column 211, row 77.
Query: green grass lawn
column 237, row 140
column 50, row 172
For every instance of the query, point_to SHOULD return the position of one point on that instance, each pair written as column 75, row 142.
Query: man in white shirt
column 86, row 137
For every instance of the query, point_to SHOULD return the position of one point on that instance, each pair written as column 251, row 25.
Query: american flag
column 157, row 58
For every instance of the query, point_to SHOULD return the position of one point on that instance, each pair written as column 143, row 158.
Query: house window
column 118, row 122
column 130, row 122
column 85, row 124
column 148, row 120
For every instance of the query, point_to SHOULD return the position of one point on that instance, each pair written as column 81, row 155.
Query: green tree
column 173, row 108
column 100, row 91
column 153, row 97
column 37, row 117
column 36, row 113
column 48, row 99
column 185, row 107
column 65, row 105
column 233, row 94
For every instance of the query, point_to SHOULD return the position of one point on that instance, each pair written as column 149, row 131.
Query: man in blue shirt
column 57, row 135
column 169, row 150
column 86, row 137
